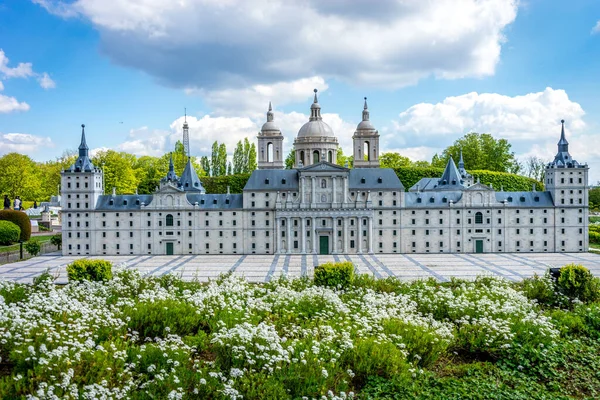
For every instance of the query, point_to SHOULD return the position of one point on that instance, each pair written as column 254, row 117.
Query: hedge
column 9, row 232
column 409, row 176
column 89, row 270
column 20, row 219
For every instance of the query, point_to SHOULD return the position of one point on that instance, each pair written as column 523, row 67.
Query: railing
column 13, row 256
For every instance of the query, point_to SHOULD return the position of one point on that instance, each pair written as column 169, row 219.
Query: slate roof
column 451, row 178
column 122, row 202
column 431, row 199
column 273, row 179
column 83, row 162
column 525, row 199
column 216, row 201
column 189, row 181
column 425, row 184
column 374, row 179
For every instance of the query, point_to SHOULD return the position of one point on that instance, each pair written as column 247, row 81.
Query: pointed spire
column 171, row 166
column 315, row 109
column 365, row 114
column 186, row 134
column 83, row 148
column 185, row 115
column 270, row 113
column 563, row 145
column 171, row 176
column 451, row 178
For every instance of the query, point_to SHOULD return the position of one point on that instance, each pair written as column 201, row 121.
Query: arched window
column 366, row 152
column 478, row 218
column 323, row 183
column 269, row 152
column 315, row 156
column 302, row 158
column 169, row 220
column 330, row 156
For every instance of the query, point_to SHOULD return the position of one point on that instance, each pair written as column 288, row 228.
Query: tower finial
column 184, row 114
column 270, row 107
column 270, row 113
column 315, row 100
column 563, row 145
column 365, row 113
column 365, row 107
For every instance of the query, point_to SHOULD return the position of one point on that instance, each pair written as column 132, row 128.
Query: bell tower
column 366, row 142
column 270, row 144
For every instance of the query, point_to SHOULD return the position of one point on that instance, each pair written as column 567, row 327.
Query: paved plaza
column 263, row 268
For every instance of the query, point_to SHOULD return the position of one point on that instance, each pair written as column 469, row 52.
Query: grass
column 15, row 247
column 161, row 337
column 594, row 219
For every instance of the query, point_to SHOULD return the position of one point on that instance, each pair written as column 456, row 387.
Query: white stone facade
column 325, row 208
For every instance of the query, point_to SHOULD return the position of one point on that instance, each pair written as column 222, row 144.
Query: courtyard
column 264, row 268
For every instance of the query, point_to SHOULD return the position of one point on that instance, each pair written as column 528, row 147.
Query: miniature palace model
column 321, row 207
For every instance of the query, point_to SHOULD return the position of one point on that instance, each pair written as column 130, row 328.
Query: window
column 169, row 220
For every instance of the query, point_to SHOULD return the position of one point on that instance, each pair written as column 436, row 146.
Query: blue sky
column 432, row 71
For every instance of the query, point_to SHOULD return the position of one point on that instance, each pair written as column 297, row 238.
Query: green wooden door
column 169, row 248
column 323, row 244
column 479, row 246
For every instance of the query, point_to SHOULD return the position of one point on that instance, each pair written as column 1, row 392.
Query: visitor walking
column 17, row 204
column 34, row 204
column 6, row 202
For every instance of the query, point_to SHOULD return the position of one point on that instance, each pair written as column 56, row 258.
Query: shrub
column 89, row 270
column 151, row 319
column 334, row 274
column 33, row 248
column 9, row 232
column 56, row 240
column 577, row 282
column 20, row 219
column 539, row 288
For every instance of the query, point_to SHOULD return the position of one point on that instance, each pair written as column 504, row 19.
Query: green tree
column 229, row 169
column 118, row 170
column 535, row 168
column 394, row 160
column 246, row 156
column 205, row 163
column 480, row 151
column 222, row 160
column 252, row 163
column 238, row 158
column 19, row 176
column 33, row 247
column 594, row 198
column 214, row 159
column 290, row 160
column 341, row 158
column 149, row 171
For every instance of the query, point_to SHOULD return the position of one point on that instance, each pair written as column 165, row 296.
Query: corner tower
column 366, row 142
column 270, row 144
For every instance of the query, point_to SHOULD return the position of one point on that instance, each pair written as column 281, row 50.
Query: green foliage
column 89, row 270
column 395, row 160
column 577, row 282
column 480, row 152
column 409, row 176
column 33, row 247
column 56, row 240
column 163, row 317
column 335, row 275
column 539, row 288
column 43, row 278
column 20, row 219
column 19, row 177
column 9, row 233
column 218, row 184
column 290, row 160
column 594, row 198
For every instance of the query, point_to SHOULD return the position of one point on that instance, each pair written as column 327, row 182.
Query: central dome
column 315, row 128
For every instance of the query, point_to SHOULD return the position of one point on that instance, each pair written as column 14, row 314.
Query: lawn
column 139, row 337
column 14, row 247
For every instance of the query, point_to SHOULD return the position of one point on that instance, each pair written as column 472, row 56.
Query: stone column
column 333, row 179
column 277, row 235
column 289, row 234
column 313, row 196
column 303, row 234
column 370, row 232
column 302, row 183
column 359, row 234
column 334, row 234
column 314, row 234
column 345, row 237
column 345, row 194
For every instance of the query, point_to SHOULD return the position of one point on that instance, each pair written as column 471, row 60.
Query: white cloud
column 45, row 81
column 254, row 100
column 23, row 143
column 10, row 104
column 239, row 43
column 527, row 117
column 596, row 29
column 23, row 70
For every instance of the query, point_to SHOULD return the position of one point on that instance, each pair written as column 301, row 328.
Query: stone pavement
column 263, row 268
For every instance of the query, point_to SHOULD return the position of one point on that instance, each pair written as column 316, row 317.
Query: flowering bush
column 135, row 337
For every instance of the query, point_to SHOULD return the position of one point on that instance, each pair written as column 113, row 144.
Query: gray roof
column 83, row 162
column 122, row 202
column 525, row 199
column 216, row 201
column 451, row 178
column 273, row 179
column 189, row 181
column 374, row 179
column 431, row 199
column 563, row 159
column 425, row 184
